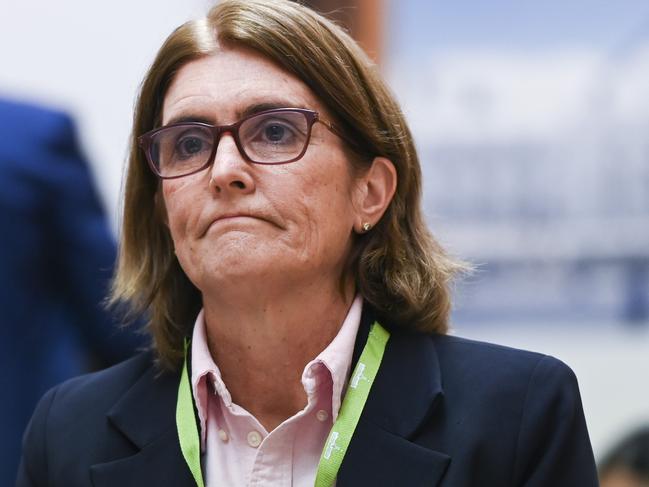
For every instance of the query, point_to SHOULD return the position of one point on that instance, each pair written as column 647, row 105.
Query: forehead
column 222, row 86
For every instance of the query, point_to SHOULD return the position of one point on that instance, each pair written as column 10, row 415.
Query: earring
column 367, row 226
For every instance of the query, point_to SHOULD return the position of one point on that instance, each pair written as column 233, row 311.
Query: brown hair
column 398, row 266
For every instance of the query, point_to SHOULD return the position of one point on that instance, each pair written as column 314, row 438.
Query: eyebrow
column 249, row 110
column 188, row 118
column 269, row 105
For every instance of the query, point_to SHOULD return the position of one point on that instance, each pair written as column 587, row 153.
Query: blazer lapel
column 403, row 396
column 146, row 416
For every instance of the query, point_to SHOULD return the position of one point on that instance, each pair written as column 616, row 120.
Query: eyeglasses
column 277, row 136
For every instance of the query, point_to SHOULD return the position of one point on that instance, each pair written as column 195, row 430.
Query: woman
column 298, row 304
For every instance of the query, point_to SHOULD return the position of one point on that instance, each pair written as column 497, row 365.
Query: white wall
column 87, row 58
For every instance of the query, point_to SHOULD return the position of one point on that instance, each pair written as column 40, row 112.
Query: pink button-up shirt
column 237, row 449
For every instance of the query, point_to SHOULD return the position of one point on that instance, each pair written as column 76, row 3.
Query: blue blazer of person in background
column 56, row 260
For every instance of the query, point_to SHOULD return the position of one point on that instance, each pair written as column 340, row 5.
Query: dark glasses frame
column 145, row 141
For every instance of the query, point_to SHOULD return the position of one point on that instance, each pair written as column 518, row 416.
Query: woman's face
column 237, row 225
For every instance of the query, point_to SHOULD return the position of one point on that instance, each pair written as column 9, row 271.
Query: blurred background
column 532, row 123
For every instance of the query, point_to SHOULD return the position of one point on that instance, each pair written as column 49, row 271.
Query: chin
column 242, row 265
column 237, row 259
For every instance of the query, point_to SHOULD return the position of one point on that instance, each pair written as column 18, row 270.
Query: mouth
column 235, row 218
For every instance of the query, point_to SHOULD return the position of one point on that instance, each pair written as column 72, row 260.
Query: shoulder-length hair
column 399, row 268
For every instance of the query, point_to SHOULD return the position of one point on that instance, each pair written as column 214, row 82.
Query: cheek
column 322, row 214
column 329, row 200
column 181, row 207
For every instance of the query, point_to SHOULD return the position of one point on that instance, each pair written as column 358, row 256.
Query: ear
column 375, row 190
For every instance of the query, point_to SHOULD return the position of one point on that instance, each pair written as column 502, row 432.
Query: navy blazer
column 443, row 411
column 56, row 261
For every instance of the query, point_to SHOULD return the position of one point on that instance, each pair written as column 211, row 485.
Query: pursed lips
column 232, row 216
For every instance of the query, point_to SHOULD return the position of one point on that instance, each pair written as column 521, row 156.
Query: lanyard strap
column 352, row 407
column 186, row 425
column 340, row 435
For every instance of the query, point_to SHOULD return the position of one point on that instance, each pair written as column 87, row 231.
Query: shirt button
column 254, row 439
column 223, row 435
column 322, row 415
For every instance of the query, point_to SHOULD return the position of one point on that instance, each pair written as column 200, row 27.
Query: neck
column 261, row 346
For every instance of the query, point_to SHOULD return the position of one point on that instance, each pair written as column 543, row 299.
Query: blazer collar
column 145, row 415
column 404, row 396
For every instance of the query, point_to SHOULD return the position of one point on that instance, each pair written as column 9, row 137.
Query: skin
column 265, row 245
column 620, row 477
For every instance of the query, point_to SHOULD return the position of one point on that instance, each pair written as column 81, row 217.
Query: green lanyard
column 340, row 435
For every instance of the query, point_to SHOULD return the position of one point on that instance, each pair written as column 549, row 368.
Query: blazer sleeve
column 33, row 470
column 553, row 446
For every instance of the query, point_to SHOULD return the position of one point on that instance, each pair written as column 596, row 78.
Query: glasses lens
column 274, row 137
column 181, row 149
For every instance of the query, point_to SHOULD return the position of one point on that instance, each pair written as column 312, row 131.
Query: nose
column 229, row 172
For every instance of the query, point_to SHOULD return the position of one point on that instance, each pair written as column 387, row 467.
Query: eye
column 275, row 132
column 274, row 136
column 192, row 143
column 276, row 129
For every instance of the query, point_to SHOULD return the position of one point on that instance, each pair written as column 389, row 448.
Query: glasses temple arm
column 336, row 131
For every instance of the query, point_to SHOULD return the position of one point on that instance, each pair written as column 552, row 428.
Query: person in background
column 298, row 303
column 627, row 463
column 56, row 259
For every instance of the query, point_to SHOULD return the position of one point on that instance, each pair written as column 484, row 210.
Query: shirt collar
column 204, row 373
column 336, row 358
